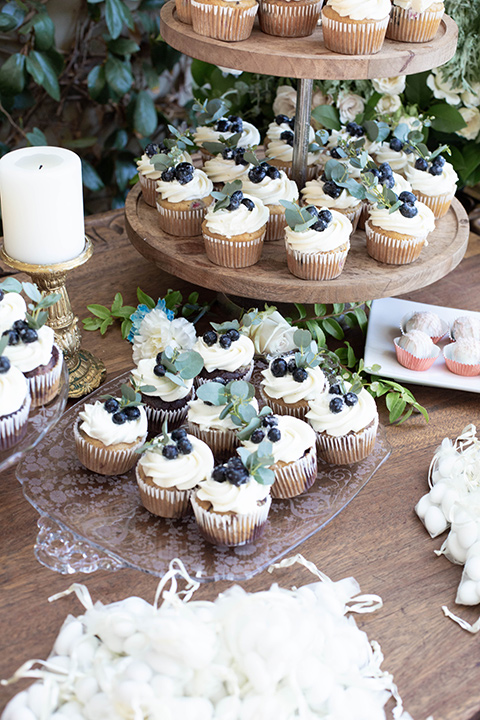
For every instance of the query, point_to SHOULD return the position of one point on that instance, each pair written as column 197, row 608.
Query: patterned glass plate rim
column 87, row 510
column 40, row 421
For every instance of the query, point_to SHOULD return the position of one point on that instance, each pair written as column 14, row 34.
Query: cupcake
column 414, row 20
column 290, row 382
column 345, row 423
column 434, row 182
column 226, row 353
column 289, row 18
column 356, row 28
column 279, row 146
column 184, row 11
column 166, row 385
column 225, row 127
column 12, row 308
column 14, row 401
column 184, row 193
column 271, row 185
column 219, row 411
column 232, row 212
column 108, row 433
column 465, row 326
column 395, row 152
column 462, row 357
column 150, row 169
column 231, row 507
column 415, row 350
column 293, row 449
column 318, row 250
column 326, row 194
column 171, row 466
column 226, row 166
column 426, row 321
column 230, row 20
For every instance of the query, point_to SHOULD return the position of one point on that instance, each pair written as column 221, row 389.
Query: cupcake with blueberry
column 396, row 152
column 292, row 380
column 183, row 195
column 234, row 227
column 171, row 466
column 14, row 401
column 462, row 357
column 415, row 350
column 231, row 507
column 324, row 193
column 271, row 185
column 316, row 241
column 222, row 129
column 415, row 20
column 108, row 433
column 12, row 304
column 293, row 449
column 225, row 352
column 289, row 18
column 386, row 178
column 279, row 146
column 151, row 165
column 434, row 182
column 228, row 161
column 219, row 411
column 345, row 420
column 166, row 385
column 355, row 28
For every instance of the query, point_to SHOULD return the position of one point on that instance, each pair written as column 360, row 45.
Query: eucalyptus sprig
column 339, row 173
column 319, row 141
column 130, row 395
column 381, row 195
column 208, row 112
column 38, row 308
column 223, row 143
column 181, row 365
column 255, row 422
column 223, row 196
column 11, row 284
column 235, row 396
column 157, row 443
column 258, row 463
column 298, row 219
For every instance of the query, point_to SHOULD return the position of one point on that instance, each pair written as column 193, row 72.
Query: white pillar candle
column 42, row 205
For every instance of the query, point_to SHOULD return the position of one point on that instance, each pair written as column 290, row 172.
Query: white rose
column 441, row 89
column 157, row 332
column 319, row 98
column 388, row 104
column 272, row 335
column 349, row 106
column 472, row 118
column 471, row 98
column 285, row 101
column 389, row 86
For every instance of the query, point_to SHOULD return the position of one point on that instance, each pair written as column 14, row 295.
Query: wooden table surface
column 377, row 539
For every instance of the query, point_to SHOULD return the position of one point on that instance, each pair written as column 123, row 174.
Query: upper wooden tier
column 308, row 57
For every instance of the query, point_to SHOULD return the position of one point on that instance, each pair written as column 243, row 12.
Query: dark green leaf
column 123, row 46
column 446, row 118
column 12, row 75
column 125, row 170
column 338, row 308
column 145, row 115
column 37, row 138
column 44, row 31
column 417, row 91
column 96, row 81
column 320, row 309
column 361, row 316
column 91, row 179
column 116, row 15
column 99, row 310
column 328, row 116
column 302, row 313
column 7, row 22
column 145, row 299
column 42, row 63
column 118, row 75
column 332, row 327
column 125, row 327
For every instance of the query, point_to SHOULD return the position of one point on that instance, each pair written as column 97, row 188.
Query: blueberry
column 170, row 452
column 408, row 210
column 350, row 399
column 375, row 172
column 152, row 149
column 184, row 446
column 360, row 131
column 235, row 462
column 389, row 182
column 119, row 417
column 278, row 367
column 385, row 169
column 312, row 210
column 334, row 152
column 20, row 325
column 184, row 173
column 287, row 137
column 219, row 473
column 435, row 170
column 270, row 421
column 239, row 160
column 222, row 125
column 351, row 128
column 282, row 120
column 407, row 150
column 236, row 476
column 257, row 174
column 273, row 172
column 323, row 177
column 236, row 126
column 111, row 405
column 300, row 375
column 336, row 404
column 220, row 380
column 168, row 175
column 159, row 370
column 249, row 204
column 291, row 123
column 233, row 334
column 421, row 164
column 132, row 412
column 225, row 341
column 331, row 189
column 335, row 389
column 228, row 154
column 407, row 197
column 257, row 436
column 13, row 336
column 291, row 365
column 178, row 434
column 235, row 118
column 235, row 200
column 274, row 434
column 325, row 215
column 28, row 335
column 4, row 364
column 2, row 295
column 439, row 160
column 210, row 338
column 320, row 225
column 396, row 144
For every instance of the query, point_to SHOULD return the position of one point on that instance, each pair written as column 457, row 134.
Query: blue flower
column 142, row 310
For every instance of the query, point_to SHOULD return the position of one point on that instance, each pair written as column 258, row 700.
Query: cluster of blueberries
column 181, row 445
column 407, row 208
column 233, row 124
column 259, row 172
column 397, row 145
column 280, row 367
column 354, row 129
column 20, row 332
column 121, row 415
column 330, row 187
column 286, row 135
column 384, row 173
column 434, row 168
column 159, row 370
column 155, row 149
column 269, row 430
column 233, row 471
column 338, row 402
column 235, row 154
column 183, row 172
column 225, row 339
column 323, row 218
column 237, row 199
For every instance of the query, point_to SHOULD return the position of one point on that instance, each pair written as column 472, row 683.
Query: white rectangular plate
column 384, row 326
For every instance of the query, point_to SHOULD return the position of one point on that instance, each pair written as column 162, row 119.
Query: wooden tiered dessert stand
column 303, row 58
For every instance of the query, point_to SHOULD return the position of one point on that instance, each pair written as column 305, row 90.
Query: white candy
column 20, row 713
column 472, row 568
column 450, row 498
column 467, row 593
column 86, row 688
column 467, row 534
column 453, row 550
column 423, row 505
column 68, row 637
column 435, row 521
column 437, row 492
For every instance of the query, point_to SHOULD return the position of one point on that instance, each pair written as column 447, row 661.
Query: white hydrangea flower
column 471, row 115
column 389, row 86
column 157, row 332
column 388, row 104
column 441, row 89
column 349, row 105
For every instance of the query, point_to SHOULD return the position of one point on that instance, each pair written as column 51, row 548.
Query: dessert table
column 377, row 538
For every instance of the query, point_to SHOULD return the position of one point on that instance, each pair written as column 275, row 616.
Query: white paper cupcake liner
column 44, row 386
column 291, row 19
column 298, row 411
column 438, row 204
column 347, row 449
column 149, row 189
column 233, row 253
column 223, row 23
column 296, row 477
column 184, row 11
column 181, row 223
column 231, row 529
column 275, row 227
column 409, row 26
column 364, row 38
column 222, row 443
column 390, row 250
column 315, row 266
column 167, row 503
column 14, row 425
column 106, row 460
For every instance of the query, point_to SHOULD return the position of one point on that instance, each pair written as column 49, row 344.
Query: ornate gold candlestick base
column 86, row 372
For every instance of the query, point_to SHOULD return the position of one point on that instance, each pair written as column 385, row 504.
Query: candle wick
column 40, row 167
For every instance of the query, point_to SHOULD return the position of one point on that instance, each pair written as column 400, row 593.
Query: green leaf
column 328, row 116
column 40, row 65
column 125, row 327
column 91, row 179
column 105, row 325
column 417, row 91
column 7, row 22
column 396, row 406
column 116, row 15
column 144, row 115
column 361, row 316
column 44, row 31
column 12, row 75
column 338, row 308
column 99, row 311
column 37, row 138
column 117, row 303
column 92, row 323
column 331, row 326
column 320, row 309
column 96, row 81
column 118, row 75
column 123, row 46
column 446, row 118
column 302, row 313
column 145, row 299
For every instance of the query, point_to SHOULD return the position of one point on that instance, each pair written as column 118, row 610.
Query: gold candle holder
column 86, row 372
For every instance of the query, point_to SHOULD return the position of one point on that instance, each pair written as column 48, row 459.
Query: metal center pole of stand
column 302, row 129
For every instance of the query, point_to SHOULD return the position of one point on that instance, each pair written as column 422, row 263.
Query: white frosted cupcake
column 12, row 308
column 183, row 195
column 226, row 167
column 229, row 20
column 148, row 174
column 287, row 388
column 226, row 127
column 345, row 423
column 434, row 183
column 387, row 152
column 395, row 238
column 415, row 20
column 332, row 198
column 226, row 354
column 279, row 146
column 14, row 403
column 169, row 469
column 271, row 185
column 355, row 28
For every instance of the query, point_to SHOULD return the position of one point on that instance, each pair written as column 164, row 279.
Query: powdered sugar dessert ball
column 426, row 321
column 462, row 357
column 415, row 350
column 465, row 326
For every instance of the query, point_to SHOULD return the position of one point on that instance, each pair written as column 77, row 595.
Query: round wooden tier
column 308, row 57
column 362, row 279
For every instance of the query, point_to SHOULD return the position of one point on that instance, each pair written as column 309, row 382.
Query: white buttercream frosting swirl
column 28, row 356
column 225, row 497
column 416, row 6
column 13, row 390
column 199, row 187
column 12, row 308
column 278, row 149
column 290, row 391
column 230, row 223
column 274, row 131
column 207, row 417
column 215, row 357
column 146, row 167
column 97, row 423
column 313, row 194
column 297, row 437
column 271, row 190
column 313, row 241
column 207, row 133
column 364, row 10
column 220, row 170
column 398, row 160
column 350, row 419
column 183, row 472
column 433, row 185
column 418, row 226
column 165, row 389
